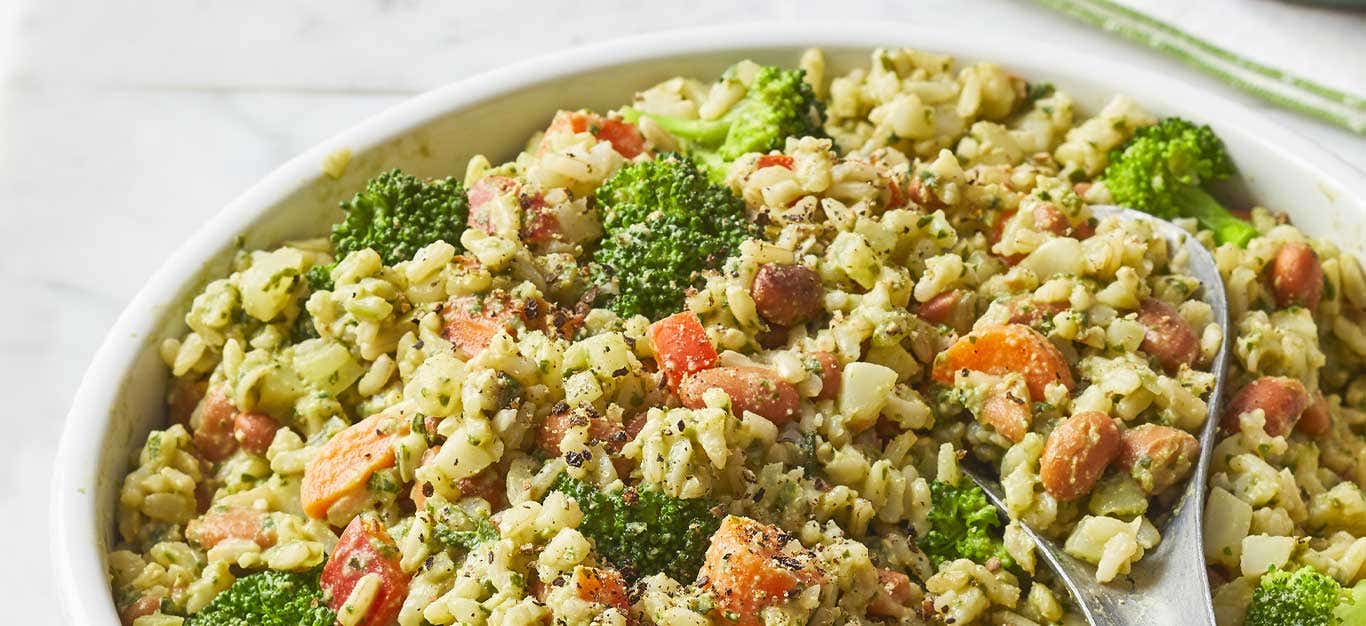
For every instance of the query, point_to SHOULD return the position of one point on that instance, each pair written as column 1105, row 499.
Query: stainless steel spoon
column 1169, row 585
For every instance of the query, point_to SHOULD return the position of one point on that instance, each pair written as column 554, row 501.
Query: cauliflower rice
column 945, row 204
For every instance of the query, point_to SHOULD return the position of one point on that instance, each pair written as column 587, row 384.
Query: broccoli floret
column 665, row 223
column 319, row 277
column 643, row 531
column 1161, row 170
column 397, row 214
column 1353, row 609
column 455, row 527
column 268, row 598
column 1304, row 597
column 777, row 104
column 963, row 525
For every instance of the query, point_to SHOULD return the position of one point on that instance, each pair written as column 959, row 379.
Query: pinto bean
column 1008, row 415
column 787, row 294
column 1024, row 310
column 1168, row 338
column 752, row 389
column 998, row 227
column 143, row 606
column 1296, row 276
column 893, row 594
column 254, row 431
column 212, row 424
column 773, row 337
column 489, row 484
column 1077, row 453
column 1157, row 456
column 1048, row 218
column 939, row 309
column 1316, row 420
column 184, row 397
column 830, row 375
column 1281, row 399
column 559, row 422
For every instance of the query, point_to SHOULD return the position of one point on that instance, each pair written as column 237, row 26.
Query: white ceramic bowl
column 120, row 399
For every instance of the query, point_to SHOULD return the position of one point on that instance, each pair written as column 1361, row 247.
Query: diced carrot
column 749, row 567
column 481, row 193
column 365, row 547
column 771, row 160
column 469, row 326
column 896, row 197
column 604, row 586
column 539, row 224
column 681, row 346
column 625, row 138
column 215, row 527
column 470, row 334
column 922, row 193
column 471, row 322
column 345, row 463
column 1003, row 349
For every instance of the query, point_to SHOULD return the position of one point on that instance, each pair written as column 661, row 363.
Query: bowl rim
column 78, row 563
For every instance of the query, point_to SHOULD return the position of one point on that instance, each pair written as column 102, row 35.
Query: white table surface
column 124, row 124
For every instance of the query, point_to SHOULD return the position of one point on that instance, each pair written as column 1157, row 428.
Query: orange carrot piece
column 1003, row 349
column 681, row 346
column 345, row 463
column 604, row 586
column 747, row 569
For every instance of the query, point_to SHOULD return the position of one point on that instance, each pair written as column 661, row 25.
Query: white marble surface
column 124, row 124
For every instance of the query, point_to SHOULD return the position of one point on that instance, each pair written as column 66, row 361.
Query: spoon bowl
column 1169, row 585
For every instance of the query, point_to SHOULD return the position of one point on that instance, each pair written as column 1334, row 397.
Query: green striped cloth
column 1276, row 86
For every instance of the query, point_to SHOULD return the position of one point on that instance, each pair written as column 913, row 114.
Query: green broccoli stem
column 1227, row 227
column 708, row 133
